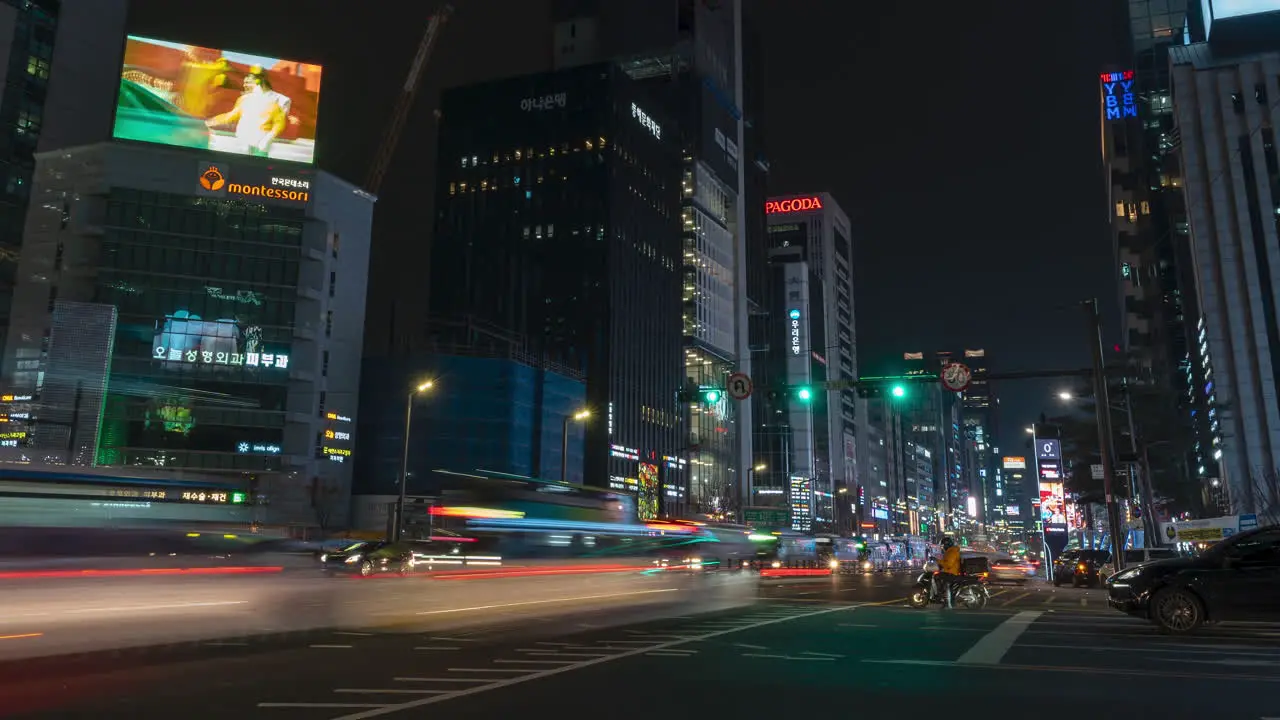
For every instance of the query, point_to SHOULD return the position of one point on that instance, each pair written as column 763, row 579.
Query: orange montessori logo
column 212, row 179
column 296, row 190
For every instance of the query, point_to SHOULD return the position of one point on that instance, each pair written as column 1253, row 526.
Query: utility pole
column 1151, row 532
column 1102, row 407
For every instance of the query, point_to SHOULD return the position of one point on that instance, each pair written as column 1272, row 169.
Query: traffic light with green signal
column 710, row 396
column 894, row 388
column 804, row 393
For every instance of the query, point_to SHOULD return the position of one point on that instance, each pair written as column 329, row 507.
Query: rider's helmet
column 947, row 542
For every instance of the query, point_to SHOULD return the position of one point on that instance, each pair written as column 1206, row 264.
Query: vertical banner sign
column 1053, row 502
column 1118, row 99
column 801, row 504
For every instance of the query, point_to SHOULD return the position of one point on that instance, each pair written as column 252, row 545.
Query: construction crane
column 405, row 102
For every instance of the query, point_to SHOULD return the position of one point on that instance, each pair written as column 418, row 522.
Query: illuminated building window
column 38, row 67
column 453, row 188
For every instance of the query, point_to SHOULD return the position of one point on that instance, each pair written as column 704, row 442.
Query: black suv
column 1237, row 579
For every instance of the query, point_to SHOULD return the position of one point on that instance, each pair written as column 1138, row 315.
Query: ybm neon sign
column 773, row 207
column 1118, row 100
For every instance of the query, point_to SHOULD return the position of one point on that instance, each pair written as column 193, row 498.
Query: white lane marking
column 631, row 642
column 544, row 602
column 1143, row 673
column 1014, row 599
column 508, row 682
column 1242, row 662
column 353, row 634
column 667, row 653
column 436, row 647
column 332, row 647
column 1177, row 650
column 487, row 670
column 991, row 648
column 750, row 647
column 174, row 606
column 822, row 654
column 448, row 680
column 788, row 657
column 536, row 662
column 321, row 705
column 593, row 648
column 389, row 691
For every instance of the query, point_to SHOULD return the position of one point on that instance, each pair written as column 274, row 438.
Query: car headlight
column 1125, row 575
column 324, row 557
column 353, row 558
column 834, row 564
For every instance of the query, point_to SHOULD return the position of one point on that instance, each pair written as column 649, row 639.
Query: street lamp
column 1031, row 431
column 1064, row 395
column 404, row 460
column 579, row 416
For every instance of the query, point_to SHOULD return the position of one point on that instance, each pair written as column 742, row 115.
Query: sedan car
column 1237, row 579
column 369, row 558
column 1012, row 570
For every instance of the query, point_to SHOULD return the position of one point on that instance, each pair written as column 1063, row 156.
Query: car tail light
column 1082, row 567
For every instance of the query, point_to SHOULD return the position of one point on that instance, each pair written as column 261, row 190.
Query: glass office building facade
column 558, row 235
column 28, row 29
column 238, row 318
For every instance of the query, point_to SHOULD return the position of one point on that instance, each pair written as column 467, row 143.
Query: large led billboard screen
column 220, row 100
column 1236, row 8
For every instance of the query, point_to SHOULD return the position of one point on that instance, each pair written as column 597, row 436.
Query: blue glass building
column 490, row 413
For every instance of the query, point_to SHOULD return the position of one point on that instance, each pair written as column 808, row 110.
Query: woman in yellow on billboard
column 260, row 115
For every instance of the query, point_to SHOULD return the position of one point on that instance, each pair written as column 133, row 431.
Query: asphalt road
column 821, row 647
column 45, row 617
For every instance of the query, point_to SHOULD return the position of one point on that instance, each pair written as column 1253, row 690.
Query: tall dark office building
column 702, row 57
column 558, row 230
column 1148, row 214
column 27, row 31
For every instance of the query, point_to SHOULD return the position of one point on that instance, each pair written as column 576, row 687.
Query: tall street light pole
column 404, row 459
column 579, row 416
column 1102, row 406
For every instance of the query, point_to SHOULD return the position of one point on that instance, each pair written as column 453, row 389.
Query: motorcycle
column 966, row 592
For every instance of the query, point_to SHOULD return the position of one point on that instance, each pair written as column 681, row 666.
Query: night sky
column 961, row 139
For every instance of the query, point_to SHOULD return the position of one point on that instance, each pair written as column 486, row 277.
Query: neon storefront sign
column 774, row 207
column 218, row 357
